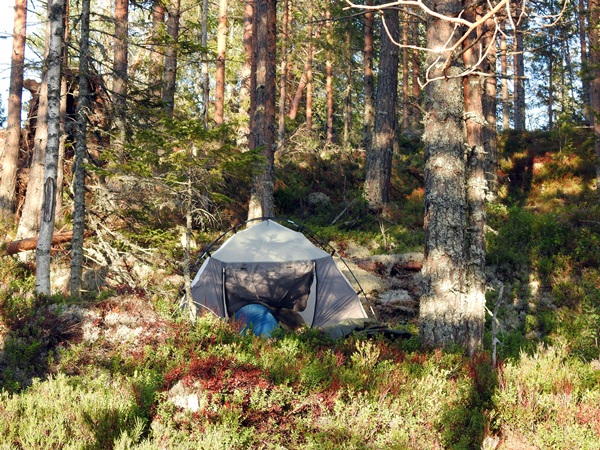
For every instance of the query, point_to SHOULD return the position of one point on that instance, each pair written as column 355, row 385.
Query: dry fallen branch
column 24, row 245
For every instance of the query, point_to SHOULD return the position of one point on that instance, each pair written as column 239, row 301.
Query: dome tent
column 274, row 266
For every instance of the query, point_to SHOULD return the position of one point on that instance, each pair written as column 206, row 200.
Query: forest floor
column 123, row 368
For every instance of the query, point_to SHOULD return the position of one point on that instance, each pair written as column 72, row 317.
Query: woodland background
column 165, row 135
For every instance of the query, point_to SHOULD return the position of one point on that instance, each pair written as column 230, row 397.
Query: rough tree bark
column 585, row 79
column 170, row 82
column 595, row 83
column 220, row 73
column 519, row 71
column 284, row 72
column 476, row 183
column 262, row 108
column 156, row 71
column 56, row 11
column 120, row 64
column 80, row 153
column 369, row 81
column 447, row 315
column 29, row 224
column 245, row 73
column 205, row 80
column 329, row 78
column 309, row 70
column 379, row 155
column 504, row 76
column 10, row 156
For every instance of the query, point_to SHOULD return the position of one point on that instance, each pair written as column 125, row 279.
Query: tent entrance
column 286, row 289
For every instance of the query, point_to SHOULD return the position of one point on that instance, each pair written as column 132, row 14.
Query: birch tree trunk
column 379, row 156
column 80, row 153
column 29, row 224
column 56, row 11
column 220, row 74
column 10, row 156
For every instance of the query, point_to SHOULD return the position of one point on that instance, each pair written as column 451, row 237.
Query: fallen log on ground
column 23, row 245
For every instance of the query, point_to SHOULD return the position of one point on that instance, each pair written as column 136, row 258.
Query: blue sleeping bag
column 256, row 318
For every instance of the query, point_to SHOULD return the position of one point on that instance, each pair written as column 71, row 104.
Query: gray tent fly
column 281, row 269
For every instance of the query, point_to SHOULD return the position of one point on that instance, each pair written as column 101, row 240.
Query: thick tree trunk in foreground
column 262, row 114
column 476, row 183
column 379, row 156
column 448, row 314
column 55, row 56
column 10, row 156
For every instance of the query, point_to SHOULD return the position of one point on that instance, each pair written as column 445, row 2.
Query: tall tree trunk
column 551, row 87
column 205, row 85
column 329, row 78
column 56, row 17
column 446, row 316
column 246, row 70
column 170, row 83
column 348, row 92
column 284, row 72
column 220, row 74
column 369, row 81
column 594, row 34
column 119, row 86
column 585, row 79
column 416, row 90
column 298, row 95
column 262, row 117
column 490, row 91
column 82, row 112
column 29, row 224
column 476, row 183
column 10, row 156
column 157, row 67
column 519, row 71
column 504, row 74
column 405, row 72
column 309, row 71
column 379, row 156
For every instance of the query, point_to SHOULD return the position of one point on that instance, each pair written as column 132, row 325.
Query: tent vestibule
column 281, row 269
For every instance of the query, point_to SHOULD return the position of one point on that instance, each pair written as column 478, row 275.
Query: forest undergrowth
column 123, row 368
